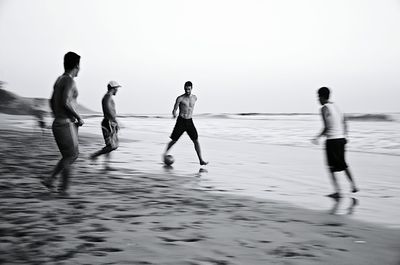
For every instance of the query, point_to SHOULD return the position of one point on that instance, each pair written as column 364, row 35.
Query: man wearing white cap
column 109, row 125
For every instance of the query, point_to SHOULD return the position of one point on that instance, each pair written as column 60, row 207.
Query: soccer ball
column 169, row 160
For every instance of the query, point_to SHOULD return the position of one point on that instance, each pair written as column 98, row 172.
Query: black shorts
column 184, row 125
column 335, row 149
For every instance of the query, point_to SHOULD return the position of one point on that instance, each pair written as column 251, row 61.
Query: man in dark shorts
column 109, row 125
column 335, row 129
column 66, row 122
column 184, row 122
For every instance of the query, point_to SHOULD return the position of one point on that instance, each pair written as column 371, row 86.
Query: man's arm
column 346, row 128
column 51, row 102
column 67, row 100
column 324, row 112
column 178, row 100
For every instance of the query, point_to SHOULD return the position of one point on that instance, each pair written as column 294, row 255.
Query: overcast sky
column 242, row 56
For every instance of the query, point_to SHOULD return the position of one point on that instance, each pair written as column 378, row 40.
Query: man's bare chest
column 187, row 103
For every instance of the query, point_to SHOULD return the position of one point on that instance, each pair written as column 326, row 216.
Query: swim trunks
column 335, row 149
column 66, row 135
column 184, row 125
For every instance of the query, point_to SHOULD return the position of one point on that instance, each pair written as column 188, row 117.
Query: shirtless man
column 184, row 121
column 109, row 125
column 66, row 122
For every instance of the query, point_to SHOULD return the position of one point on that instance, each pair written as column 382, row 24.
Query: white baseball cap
column 113, row 84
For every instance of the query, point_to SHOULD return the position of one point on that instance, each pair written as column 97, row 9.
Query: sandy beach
column 128, row 213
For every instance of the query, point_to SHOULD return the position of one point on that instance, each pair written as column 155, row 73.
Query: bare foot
column 93, row 157
column 63, row 193
column 47, row 184
column 335, row 195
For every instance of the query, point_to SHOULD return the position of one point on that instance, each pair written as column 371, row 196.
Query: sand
column 138, row 212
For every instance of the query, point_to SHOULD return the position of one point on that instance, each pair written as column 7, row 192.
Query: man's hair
column 324, row 92
column 71, row 60
column 188, row 83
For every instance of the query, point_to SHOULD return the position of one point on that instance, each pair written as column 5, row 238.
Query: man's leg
column 335, row 184
column 351, row 180
column 107, row 135
column 63, row 186
column 105, row 150
column 48, row 181
column 67, row 162
column 177, row 132
column 169, row 145
column 111, row 140
column 108, row 156
column 331, row 156
column 192, row 132
column 107, row 160
column 198, row 151
column 66, row 138
column 62, row 167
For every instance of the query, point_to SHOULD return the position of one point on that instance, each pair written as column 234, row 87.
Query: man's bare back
column 63, row 100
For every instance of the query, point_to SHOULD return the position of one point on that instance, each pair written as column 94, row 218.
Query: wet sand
column 123, row 213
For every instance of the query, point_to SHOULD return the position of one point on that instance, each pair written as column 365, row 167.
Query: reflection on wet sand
column 353, row 202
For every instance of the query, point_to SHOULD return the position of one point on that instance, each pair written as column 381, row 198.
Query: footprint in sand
column 173, row 240
column 97, row 228
column 110, row 249
column 338, row 234
column 289, row 252
column 210, row 261
column 166, row 229
column 332, row 224
column 88, row 238
column 100, row 228
column 79, row 204
column 68, row 255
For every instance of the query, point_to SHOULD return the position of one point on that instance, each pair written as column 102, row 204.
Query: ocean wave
column 273, row 114
column 369, row 117
column 259, row 116
column 248, row 115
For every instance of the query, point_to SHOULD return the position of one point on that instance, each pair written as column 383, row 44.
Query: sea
column 371, row 133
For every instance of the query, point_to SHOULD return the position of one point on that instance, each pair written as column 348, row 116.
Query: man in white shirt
column 335, row 131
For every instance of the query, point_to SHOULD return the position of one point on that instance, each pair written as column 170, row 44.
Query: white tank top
column 334, row 122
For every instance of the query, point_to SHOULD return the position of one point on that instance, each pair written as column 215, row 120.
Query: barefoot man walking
column 109, row 125
column 66, row 121
column 335, row 130
column 184, row 122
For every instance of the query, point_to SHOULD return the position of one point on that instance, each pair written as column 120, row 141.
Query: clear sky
column 242, row 56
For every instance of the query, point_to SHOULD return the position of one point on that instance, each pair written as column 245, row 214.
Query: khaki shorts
column 66, row 135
